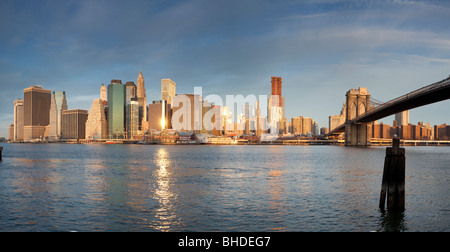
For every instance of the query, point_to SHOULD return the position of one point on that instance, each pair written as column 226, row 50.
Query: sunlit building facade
column 18, row 121
column 36, row 112
column 168, row 89
column 116, row 110
column 97, row 124
column 58, row 104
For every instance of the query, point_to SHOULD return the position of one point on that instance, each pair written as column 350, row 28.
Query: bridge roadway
column 432, row 93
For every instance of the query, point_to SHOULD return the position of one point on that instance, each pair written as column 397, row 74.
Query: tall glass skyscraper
column 58, row 104
column 116, row 109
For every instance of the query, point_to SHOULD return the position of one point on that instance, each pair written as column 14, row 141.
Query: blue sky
column 321, row 49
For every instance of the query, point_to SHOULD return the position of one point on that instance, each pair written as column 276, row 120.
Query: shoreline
column 384, row 142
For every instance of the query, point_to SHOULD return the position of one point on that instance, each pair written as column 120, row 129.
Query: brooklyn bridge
column 359, row 114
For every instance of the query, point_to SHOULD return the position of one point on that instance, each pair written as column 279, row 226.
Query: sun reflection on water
column 164, row 192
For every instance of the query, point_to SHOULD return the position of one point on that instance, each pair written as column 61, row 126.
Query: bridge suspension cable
column 376, row 102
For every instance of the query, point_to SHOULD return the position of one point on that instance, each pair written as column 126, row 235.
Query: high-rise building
column 275, row 110
column 58, row 104
column 74, row 124
column 116, row 109
column 132, row 116
column 103, row 93
column 337, row 120
column 142, row 102
column 97, row 124
column 402, row 118
column 18, row 121
column 187, row 112
column 11, row 132
column 130, row 89
column 159, row 115
column 36, row 112
column 276, row 87
column 168, row 89
column 297, row 125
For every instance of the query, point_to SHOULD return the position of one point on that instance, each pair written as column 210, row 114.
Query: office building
column 130, row 89
column 159, row 115
column 275, row 110
column 58, row 104
column 103, row 93
column 11, row 132
column 18, row 121
column 402, row 118
column 337, row 120
column 132, row 119
column 187, row 112
column 116, row 110
column 168, row 89
column 97, row 123
column 36, row 112
column 142, row 102
column 74, row 124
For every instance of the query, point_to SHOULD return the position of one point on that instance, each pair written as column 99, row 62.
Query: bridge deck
column 432, row 93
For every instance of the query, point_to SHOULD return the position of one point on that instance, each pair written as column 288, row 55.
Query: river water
column 76, row 187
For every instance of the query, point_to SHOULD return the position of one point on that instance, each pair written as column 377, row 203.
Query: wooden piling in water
column 393, row 182
column 1, row 149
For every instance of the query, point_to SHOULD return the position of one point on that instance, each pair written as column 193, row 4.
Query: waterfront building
column 142, row 102
column 36, row 112
column 159, row 115
column 97, row 123
column 10, row 132
column 168, row 89
column 275, row 109
column 336, row 120
column 116, row 110
column 227, row 119
column 382, row 130
column 187, row 112
column 18, row 121
column 297, row 125
column 132, row 116
column 217, row 120
column 402, row 118
column 74, row 124
column 305, row 126
column 324, row 131
column 58, row 104
column 442, row 132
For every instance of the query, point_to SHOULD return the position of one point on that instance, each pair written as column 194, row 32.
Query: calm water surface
column 63, row 187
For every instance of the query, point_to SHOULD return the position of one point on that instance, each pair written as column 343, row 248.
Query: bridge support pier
column 357, row 134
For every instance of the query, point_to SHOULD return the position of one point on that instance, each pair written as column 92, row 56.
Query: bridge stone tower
column 358, row 103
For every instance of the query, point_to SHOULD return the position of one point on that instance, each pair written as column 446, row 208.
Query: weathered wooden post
column 393, row 183
column 1, row 149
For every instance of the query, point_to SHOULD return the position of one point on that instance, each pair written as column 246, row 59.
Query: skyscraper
column 132, row 118
column 275, row 110
column 402, row 118
column 159, row 115
column 116, row 109
column 18, row 121
column 97, row 124
column 142, row 102
column 36, row 112
column 73, row 123
column 168, row 88
column 130, row 89
column 58, row 104
column 103, row 93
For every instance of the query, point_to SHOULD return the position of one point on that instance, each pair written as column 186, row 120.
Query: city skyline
column 321, row 49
